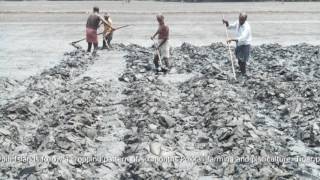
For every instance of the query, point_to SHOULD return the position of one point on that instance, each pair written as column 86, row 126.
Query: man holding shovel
column 243, row 40
column 163, row 48
column 91, row 29
column 107, row 32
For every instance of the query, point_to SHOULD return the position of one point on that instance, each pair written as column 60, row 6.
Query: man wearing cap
column 92, row 25
column 108, row 32
column 243, row 40
column 163, row 45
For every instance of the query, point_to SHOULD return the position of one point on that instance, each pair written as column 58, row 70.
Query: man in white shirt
column 243, row 40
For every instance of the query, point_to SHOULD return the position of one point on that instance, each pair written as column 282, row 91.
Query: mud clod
column 199, row 118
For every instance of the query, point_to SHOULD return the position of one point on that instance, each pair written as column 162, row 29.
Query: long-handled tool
column 158, row 53
column 74, row 42
column 121, row 27
column 230, row 53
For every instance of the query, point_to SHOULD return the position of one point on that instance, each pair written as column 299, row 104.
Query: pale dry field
column 34, row 35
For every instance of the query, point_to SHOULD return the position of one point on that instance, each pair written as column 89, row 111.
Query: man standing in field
column 243, row 40
column 91, row 29
column 162, row 46
column 108, row 32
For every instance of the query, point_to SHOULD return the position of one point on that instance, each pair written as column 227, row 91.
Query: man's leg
column 95, row 48
column 89, row 47
column 104, row 45
column 246, row 58
column 110, row 36
column 237, row 53
column 242, row 67
column 166, row 62
column 156, row 62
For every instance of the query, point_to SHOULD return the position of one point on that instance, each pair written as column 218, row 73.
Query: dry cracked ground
column 83, row 120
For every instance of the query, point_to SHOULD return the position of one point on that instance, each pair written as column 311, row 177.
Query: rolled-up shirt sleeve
column 232, row 26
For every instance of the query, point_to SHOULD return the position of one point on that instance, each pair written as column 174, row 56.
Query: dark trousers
column 242, row 54
column 95, row 47
column 242, row 66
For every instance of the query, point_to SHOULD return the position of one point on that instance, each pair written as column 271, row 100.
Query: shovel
column 158, row 53
column 75, row 42
column 230, row 53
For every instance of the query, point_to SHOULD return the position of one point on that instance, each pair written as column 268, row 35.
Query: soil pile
column 192, row 123
column 210, row 125
column 60, row 124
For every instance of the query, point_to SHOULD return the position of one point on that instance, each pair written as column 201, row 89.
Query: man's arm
column 232, row 26
column 244, row 35
column 152, row 37
column 104, row 21
column 225, row 22
column 228, row 25
column 162, row 42
column 100, row 24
